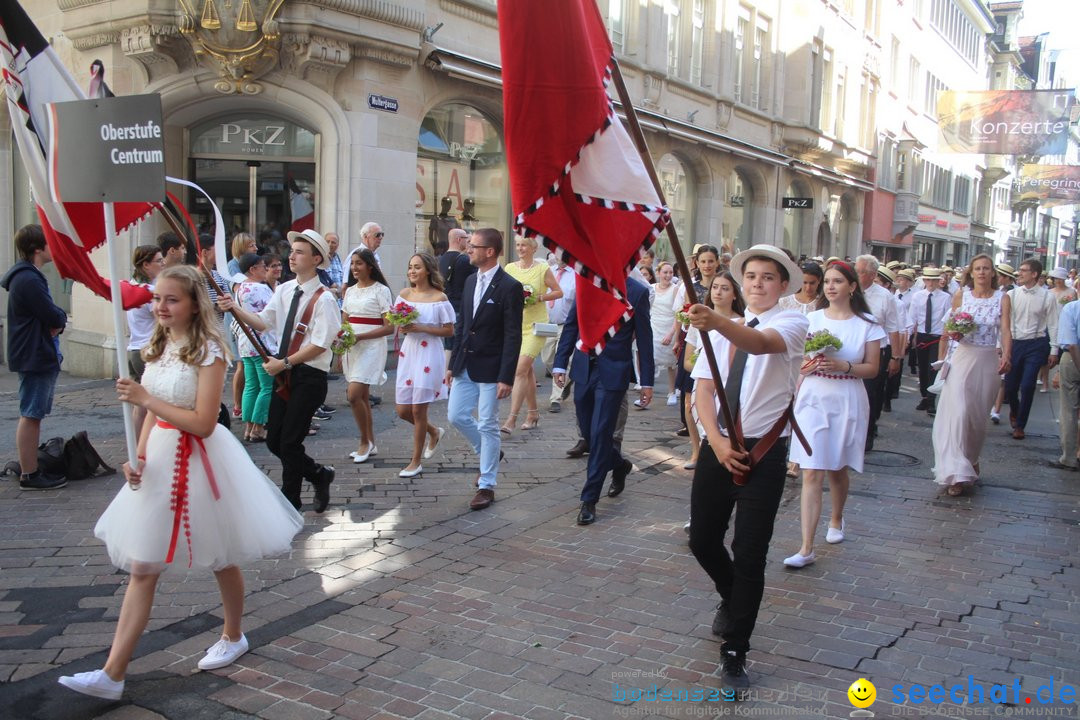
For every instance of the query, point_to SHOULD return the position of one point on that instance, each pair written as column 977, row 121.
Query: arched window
column 680, row 192
column 737, row 224
column 460, row 175
column 844, row 224
column 796, row 222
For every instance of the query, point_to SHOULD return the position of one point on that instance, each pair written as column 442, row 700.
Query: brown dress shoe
column 483, row 499
column 1018, row 434
column 579, row 450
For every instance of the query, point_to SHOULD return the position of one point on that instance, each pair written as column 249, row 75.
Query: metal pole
column 119, row 325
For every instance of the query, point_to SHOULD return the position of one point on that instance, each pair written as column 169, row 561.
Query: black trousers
column 739, row 576
column 892, row 384
column 875, row 390
column 926, row 348
column 287, row 428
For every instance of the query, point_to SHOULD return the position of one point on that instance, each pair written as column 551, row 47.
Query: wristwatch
column 288, row 365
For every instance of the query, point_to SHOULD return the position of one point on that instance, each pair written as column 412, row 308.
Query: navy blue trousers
column 597, row 414
column 1027, row 357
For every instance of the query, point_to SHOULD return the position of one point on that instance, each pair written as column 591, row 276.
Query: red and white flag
column 577, row 181
column 34, row 76
column 303, row 214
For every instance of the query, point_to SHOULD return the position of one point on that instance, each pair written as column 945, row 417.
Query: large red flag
column 33, row 76
column 577, row 182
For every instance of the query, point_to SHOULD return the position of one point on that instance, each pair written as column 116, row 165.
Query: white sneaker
column 95, row 683
column 798, row 560
column 686, row 527
column 223, row 652
column 672, row 399
column 832, row 535
column 995, row 417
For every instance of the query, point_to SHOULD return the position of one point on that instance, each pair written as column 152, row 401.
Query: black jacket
column 31, row 314
column 488, row 345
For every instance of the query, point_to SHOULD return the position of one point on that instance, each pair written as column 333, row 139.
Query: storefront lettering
column 465, row 151
column 421, row 196
column 268, row 135
column 454, row 189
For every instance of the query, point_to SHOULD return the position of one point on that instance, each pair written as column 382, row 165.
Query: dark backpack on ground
column 81, row 460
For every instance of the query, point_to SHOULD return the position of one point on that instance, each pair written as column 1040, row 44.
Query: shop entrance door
column 253, row 195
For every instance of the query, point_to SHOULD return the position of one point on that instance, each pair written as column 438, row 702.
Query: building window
column 797, row 222
column 962, row 196
column 914, row 79
column 679, row 191
column 930, row 99
column 886, row 174
column 866, row 111
column 817, row 71
column 697, row 41
column 947, row 17
column 840, row 102
column 827, row 90
column 894, row 64
column 759, row 70
column 674, row 37
column 737, row 224
column 460, row 158
column 742, row 27
column 617, row 25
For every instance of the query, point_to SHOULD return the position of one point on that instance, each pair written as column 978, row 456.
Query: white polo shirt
column 885, row 310
column 325, row 320
column 768, row 381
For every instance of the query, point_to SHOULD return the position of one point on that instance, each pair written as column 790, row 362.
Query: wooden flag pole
column 680, row 259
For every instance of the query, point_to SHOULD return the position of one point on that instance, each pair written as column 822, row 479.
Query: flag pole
column 680, row 259
column 119, row 325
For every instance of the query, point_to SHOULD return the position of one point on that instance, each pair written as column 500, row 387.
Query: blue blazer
column 616, row 363
column 488, row 345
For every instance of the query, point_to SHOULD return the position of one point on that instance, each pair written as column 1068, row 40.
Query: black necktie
column 734, row 380
column 290, row 319
column 929, row 312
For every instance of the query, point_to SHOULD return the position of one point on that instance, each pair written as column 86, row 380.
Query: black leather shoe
column 587, row 514
column 720, row 619
column 618, row 478
column 683, row 432
column 734, row 681
column 923, row 404
column 375, row 400
column 322, row 481
column 579, row 450
column 887, row 407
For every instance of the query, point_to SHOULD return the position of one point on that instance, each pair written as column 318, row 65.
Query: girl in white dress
column 366, row 299
column 973, row 379
column 662, row 318
column 831, row 406
column 421, row 366
column 194, row 498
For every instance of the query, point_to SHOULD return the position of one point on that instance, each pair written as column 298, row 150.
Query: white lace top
column 171, row 379
column 987, row 314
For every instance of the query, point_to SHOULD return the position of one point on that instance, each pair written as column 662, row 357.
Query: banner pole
column 680, row 259
column 119, row 326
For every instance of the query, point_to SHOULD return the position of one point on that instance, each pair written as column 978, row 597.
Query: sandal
column 955, row 490
column 508, row 427
column 532, row 420
column 793, row 470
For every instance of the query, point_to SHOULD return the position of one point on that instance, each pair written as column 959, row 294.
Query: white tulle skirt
column 250, row 519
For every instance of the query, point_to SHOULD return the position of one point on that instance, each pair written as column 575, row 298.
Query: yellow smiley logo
column 862, row 693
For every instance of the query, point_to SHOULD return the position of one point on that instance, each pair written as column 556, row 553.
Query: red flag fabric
column 577, row 182
column 303, row 214
column 34, row 76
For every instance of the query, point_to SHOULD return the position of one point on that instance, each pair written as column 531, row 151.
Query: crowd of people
column 792, row 340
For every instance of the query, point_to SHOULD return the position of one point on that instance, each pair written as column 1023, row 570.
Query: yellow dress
column 531, row 345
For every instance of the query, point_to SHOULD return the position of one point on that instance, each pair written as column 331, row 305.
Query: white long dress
column 833, row 412
column 250, row 518
column 662, row 318
column 421, row 368
column 968, row 394
column 365, row 362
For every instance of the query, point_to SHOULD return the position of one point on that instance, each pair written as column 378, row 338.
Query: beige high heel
column 508, row 427
column 532, row 420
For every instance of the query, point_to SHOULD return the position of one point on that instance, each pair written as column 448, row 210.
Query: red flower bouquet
column 401, row 314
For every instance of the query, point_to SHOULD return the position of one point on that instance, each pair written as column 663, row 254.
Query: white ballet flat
column 832, row 535
column 411, row 473
column 799, row 560
column 359, row 458
column 429, row 450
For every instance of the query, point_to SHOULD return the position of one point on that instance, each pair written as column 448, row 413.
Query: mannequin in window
column 468, row 217
column 440, row 227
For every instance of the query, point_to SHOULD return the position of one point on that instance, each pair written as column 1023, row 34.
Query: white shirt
column 1034, row 313
column 358, row 248
column 941, row 304
column 903, row 302
column 768, row 381
column 325, row 320
column 886, row 312
column 559, row 310
column 141, row 324
column 483, row 279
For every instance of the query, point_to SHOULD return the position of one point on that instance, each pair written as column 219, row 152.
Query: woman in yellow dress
column 540, row 288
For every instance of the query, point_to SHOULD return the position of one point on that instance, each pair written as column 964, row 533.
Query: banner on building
column 1004, row 122
column 1049, row 184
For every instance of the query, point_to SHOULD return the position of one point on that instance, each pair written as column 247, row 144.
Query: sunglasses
column 379, row 234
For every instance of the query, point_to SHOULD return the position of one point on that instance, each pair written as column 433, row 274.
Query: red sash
column 365, row 320
column 179, row 501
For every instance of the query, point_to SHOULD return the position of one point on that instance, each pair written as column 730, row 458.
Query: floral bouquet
column 401, row 314
column 959, row 325
column 345, row 339
column 1066, row 299
column 817, row 344
column 683, row 316
column 531, row 298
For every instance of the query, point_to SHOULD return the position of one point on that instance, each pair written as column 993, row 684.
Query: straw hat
column 893, row 264
column 1006, row 269
column 1059, row 274
column 317, row 241
column 773, row 253
column 886, row 274
column 907, row 273
column 932, row 273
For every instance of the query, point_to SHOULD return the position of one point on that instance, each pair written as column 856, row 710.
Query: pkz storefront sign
column 797, row 203
column 252, row 135
column 381, row 102
column 107, row 150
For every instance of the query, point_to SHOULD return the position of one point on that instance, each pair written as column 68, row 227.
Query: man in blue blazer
column 487, row 341
column 600, row 383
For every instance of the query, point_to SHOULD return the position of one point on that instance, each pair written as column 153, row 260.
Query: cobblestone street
column 399, row 602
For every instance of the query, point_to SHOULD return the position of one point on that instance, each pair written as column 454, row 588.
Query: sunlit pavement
column 400, row 602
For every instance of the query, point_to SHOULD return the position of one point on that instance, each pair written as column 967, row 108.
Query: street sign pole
column 119, row 326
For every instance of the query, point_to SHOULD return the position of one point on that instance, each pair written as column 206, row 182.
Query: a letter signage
column 797, row 203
